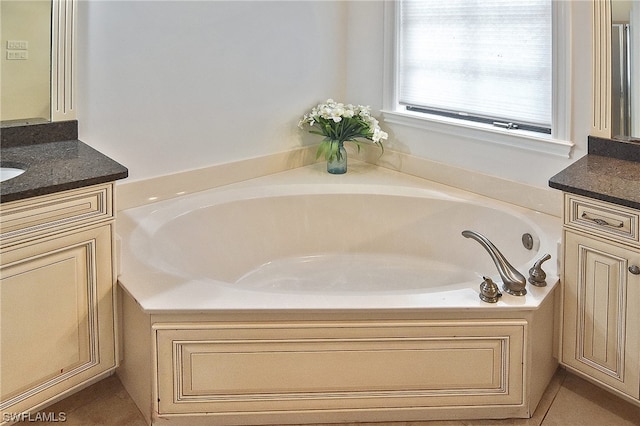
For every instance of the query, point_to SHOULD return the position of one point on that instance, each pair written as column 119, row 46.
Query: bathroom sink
column 7, row 173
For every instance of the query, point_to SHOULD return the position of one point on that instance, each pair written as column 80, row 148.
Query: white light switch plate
column 17, row 44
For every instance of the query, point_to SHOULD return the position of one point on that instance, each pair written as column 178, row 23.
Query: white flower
column 359, row 123
column 379, row 135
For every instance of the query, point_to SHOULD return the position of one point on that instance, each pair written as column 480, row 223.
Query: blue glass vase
column 337, row 164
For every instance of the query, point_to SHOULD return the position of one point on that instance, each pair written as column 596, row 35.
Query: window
column 485, row 63
column 488, row 59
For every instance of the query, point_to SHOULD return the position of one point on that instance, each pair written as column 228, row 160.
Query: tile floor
column 569, row 400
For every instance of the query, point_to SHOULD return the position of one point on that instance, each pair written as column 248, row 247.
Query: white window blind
column 482, row 58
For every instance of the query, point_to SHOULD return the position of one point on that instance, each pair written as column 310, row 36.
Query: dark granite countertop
column 55, row 166
column 609, row 172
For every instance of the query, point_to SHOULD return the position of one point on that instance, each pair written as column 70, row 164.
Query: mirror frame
column 63, row 60
column 601, row 66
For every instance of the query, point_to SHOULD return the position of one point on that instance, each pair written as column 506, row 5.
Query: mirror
column 616, row 64
column 25, row 63
column 38, row 61
column 625, row 58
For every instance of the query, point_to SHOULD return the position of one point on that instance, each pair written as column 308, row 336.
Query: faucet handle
column 489, row 291
column 537, row 276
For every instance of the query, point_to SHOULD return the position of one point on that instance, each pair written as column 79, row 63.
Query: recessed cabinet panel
column 329, row 367
column 56, row 306
column 601, row 312
column 313, row 366
column 601, row 299
column 52, row 321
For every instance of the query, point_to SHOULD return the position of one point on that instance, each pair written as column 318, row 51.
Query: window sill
column 480, row 132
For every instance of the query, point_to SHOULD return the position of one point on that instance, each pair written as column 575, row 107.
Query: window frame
column 557, row 144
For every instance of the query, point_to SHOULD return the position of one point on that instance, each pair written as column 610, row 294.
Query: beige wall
column 25, row 84
column 170, row 86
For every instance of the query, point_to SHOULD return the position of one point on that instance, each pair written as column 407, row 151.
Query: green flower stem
column 346, row 130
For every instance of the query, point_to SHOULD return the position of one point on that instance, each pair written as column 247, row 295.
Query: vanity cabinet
column 56, row 296
column 601, row 307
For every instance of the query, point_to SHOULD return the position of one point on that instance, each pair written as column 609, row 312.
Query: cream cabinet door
column 601, row 331
column 56, row 317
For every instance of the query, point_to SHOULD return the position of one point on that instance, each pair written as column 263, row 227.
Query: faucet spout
column 513, row 281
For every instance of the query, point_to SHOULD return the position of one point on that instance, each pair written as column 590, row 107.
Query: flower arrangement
column 340, row 123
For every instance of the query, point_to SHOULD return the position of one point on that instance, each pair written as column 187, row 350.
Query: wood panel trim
column 601, row 69
column 503, row 343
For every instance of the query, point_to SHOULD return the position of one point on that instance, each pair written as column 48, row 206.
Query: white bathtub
column 373, row 252
column 377, row 243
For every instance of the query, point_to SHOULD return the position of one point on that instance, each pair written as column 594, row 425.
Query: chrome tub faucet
column 513, row 282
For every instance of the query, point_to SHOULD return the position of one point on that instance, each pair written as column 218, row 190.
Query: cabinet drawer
column 38, row 215
column 601, row 218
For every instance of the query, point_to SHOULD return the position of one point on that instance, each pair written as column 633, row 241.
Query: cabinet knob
column 634, row 269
